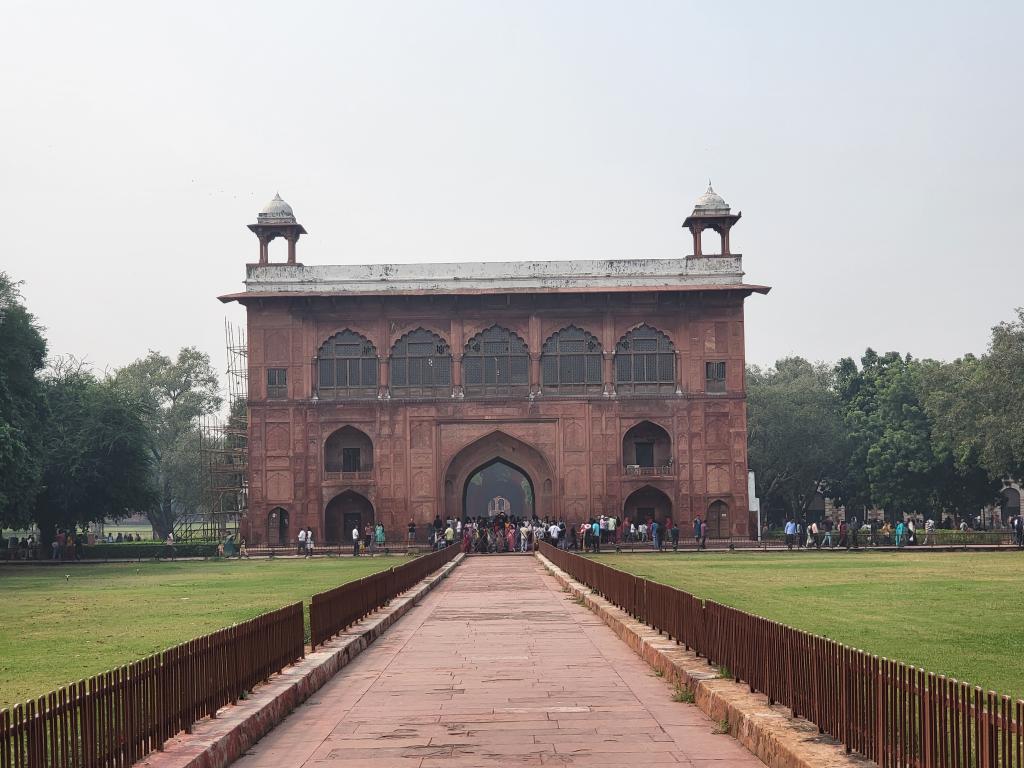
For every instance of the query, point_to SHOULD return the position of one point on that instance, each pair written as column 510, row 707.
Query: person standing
column 929, row 532
column 302, row 542
column 379, row 534
column 696, row 532
column 449, row 535
column 704, row 534
column 656, row 535
column 355, row 541
column 900, row 530
column 309, row 542
column 595, row 533
column 790, row 534
column 412, row 530
column 675, row 536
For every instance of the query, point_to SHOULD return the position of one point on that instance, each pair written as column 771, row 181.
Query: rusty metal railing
column 332, row 611
column 891, row 713
column 118, row 717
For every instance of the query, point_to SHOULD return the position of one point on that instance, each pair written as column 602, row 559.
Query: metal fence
column 118, row 717
column 332, row 611
column 115, row 719
column 891, row 713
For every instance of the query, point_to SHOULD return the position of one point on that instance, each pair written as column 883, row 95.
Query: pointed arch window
column 645, row 362
column 421, row 365
column 570, row 363
column 347, row 367
column 496, row 362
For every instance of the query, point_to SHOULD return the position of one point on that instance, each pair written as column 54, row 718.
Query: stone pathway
column 497, row 667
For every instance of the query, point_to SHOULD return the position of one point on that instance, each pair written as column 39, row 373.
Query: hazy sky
column 875, row 150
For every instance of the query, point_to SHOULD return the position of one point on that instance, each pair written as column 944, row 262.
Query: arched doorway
column 348, row 450
column 718, row 520
column 346, row 511
column 495, row 447
column 498, row 488
column 647, row 450
column 647, row 503
column 277, row 526
column 1009, row 506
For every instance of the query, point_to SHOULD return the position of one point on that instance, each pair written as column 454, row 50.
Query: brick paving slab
column 496, row 667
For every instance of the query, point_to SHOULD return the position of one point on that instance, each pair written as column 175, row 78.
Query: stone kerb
column 769, row 732
column 216, row 743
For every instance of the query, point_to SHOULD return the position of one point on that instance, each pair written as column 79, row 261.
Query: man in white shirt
column 553, row 532
column 355, row 541
column 302, row 541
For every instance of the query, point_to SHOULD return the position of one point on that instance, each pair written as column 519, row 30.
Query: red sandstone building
column 567, row 389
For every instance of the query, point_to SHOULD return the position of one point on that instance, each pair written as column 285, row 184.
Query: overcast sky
column 875, row 150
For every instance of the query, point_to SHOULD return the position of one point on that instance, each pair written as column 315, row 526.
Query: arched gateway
column 498, row 466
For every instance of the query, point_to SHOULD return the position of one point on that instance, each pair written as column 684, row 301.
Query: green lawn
column 959, row 614
column 55, row 631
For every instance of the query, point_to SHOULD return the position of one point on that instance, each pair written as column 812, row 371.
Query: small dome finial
column 710, row 202
column 277, row 211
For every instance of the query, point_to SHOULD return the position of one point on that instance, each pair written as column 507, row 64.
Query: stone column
column 608, row 368
column 534, row 343
column 458, row 391
column 291, row 248
column 383, row 378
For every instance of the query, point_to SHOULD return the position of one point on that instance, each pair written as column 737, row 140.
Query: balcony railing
column 663, row 471
column 363, row 474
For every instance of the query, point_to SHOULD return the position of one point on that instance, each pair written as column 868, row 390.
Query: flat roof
column 714, row 273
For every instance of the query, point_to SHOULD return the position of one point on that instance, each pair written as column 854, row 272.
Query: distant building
column 565, row 389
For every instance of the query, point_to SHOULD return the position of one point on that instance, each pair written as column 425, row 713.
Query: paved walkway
column 497, row 667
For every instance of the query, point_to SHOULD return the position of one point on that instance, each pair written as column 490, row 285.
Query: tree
column 22, row 410
column 897, row 463
column 977, row 404
column 96, row 451
column 178, row 393
column 797, row 441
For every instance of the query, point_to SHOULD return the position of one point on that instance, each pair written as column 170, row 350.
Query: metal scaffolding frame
column 224, row 453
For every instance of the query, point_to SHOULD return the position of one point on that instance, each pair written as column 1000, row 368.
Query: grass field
column 955, row 613
column 54, row 631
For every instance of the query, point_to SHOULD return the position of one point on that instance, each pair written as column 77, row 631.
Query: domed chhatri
column 277, row 219
column 277, row 211
column 713, row 214
column 710, row 202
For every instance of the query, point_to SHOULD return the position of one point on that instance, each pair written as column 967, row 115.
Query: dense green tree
column 22, row 411
column 896, row 462
column 96, row 451
column 178, row 393
column 798, row 443
column 977, row 404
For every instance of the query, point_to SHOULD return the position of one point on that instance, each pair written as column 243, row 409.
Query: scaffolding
column 224, row 454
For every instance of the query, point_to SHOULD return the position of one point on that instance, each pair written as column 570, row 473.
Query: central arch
column 498, row 448
column 498, row 488
column 344, row 512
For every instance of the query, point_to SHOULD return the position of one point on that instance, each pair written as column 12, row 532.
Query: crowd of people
column 508, row 533
column 829, row 534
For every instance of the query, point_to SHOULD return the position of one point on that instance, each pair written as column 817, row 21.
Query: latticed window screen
column 570, row 363
column 421, row 365
column 645, row 362
column 347, row 364
column 277, row 383
column 495, row 362
column 714, row 377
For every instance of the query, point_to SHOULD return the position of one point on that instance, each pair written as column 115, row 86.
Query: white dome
column 277, row 211
column 711, row 201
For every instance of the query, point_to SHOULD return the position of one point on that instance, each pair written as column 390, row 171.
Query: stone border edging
column 217, row 742
column 769, row 732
